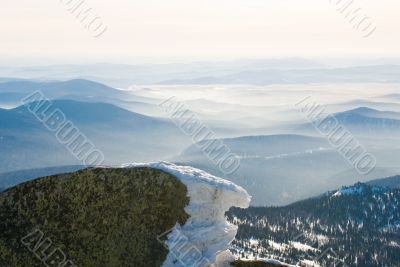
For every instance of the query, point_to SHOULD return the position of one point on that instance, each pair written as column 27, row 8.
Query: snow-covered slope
column 357, row 189
column 207, row 234
column 347, row 191
column 354, row 226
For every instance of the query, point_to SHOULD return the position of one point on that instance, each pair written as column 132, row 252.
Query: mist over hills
column 373, row 113
column 124, row 75
column 259, row 72
column 129, row 130
column 390, row 97
column 368, row 117
column 57, row 89
column 277, row 169
column 362, row 74
column 84, row 113
column 30, row 145
column 265, row 146
column 363, row 122
column 258, row 123
column 274, row 168
column 13, row 91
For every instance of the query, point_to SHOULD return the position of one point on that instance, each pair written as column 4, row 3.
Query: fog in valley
column 249, row 107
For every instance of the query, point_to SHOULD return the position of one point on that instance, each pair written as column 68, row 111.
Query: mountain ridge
column 29, row 144
column 363, row 219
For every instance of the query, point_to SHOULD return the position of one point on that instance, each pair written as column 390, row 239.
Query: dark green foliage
column 97, row 217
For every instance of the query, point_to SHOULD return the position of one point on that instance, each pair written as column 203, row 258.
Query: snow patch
column 207, row 233
column 394, row 244
column 302, row 247
column 309, row 263
column 348, row 191
column 276, row 246
column 254, row 242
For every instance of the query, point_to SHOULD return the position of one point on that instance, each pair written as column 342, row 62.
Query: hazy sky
column 43, row 31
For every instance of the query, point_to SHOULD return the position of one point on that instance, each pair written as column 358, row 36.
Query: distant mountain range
column 72, row 89
column 368, row 117
column 265, row 145
column 121, row 135
column 275, row 168
column 259, row 72
column 373, row 113
column 389, row 182
column 270, row 162
column 362, row 74
column 356, row 226
column 364, row 121
column 387, row 104
column 124, row 75
column 13, row 91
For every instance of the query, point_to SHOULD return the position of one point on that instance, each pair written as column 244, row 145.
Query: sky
column 44, row 31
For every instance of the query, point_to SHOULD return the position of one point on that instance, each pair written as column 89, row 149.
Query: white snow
column 207, row 233
column 309, row 263
column 274, row 262
column 348, row 191
column 302, row 247
column 285, row 155
column 277, row 245
column 394, row 244
column 357, row 190
column 254, row 242
column 322, row 239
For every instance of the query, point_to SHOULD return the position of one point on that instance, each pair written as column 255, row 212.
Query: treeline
column 359, row 227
